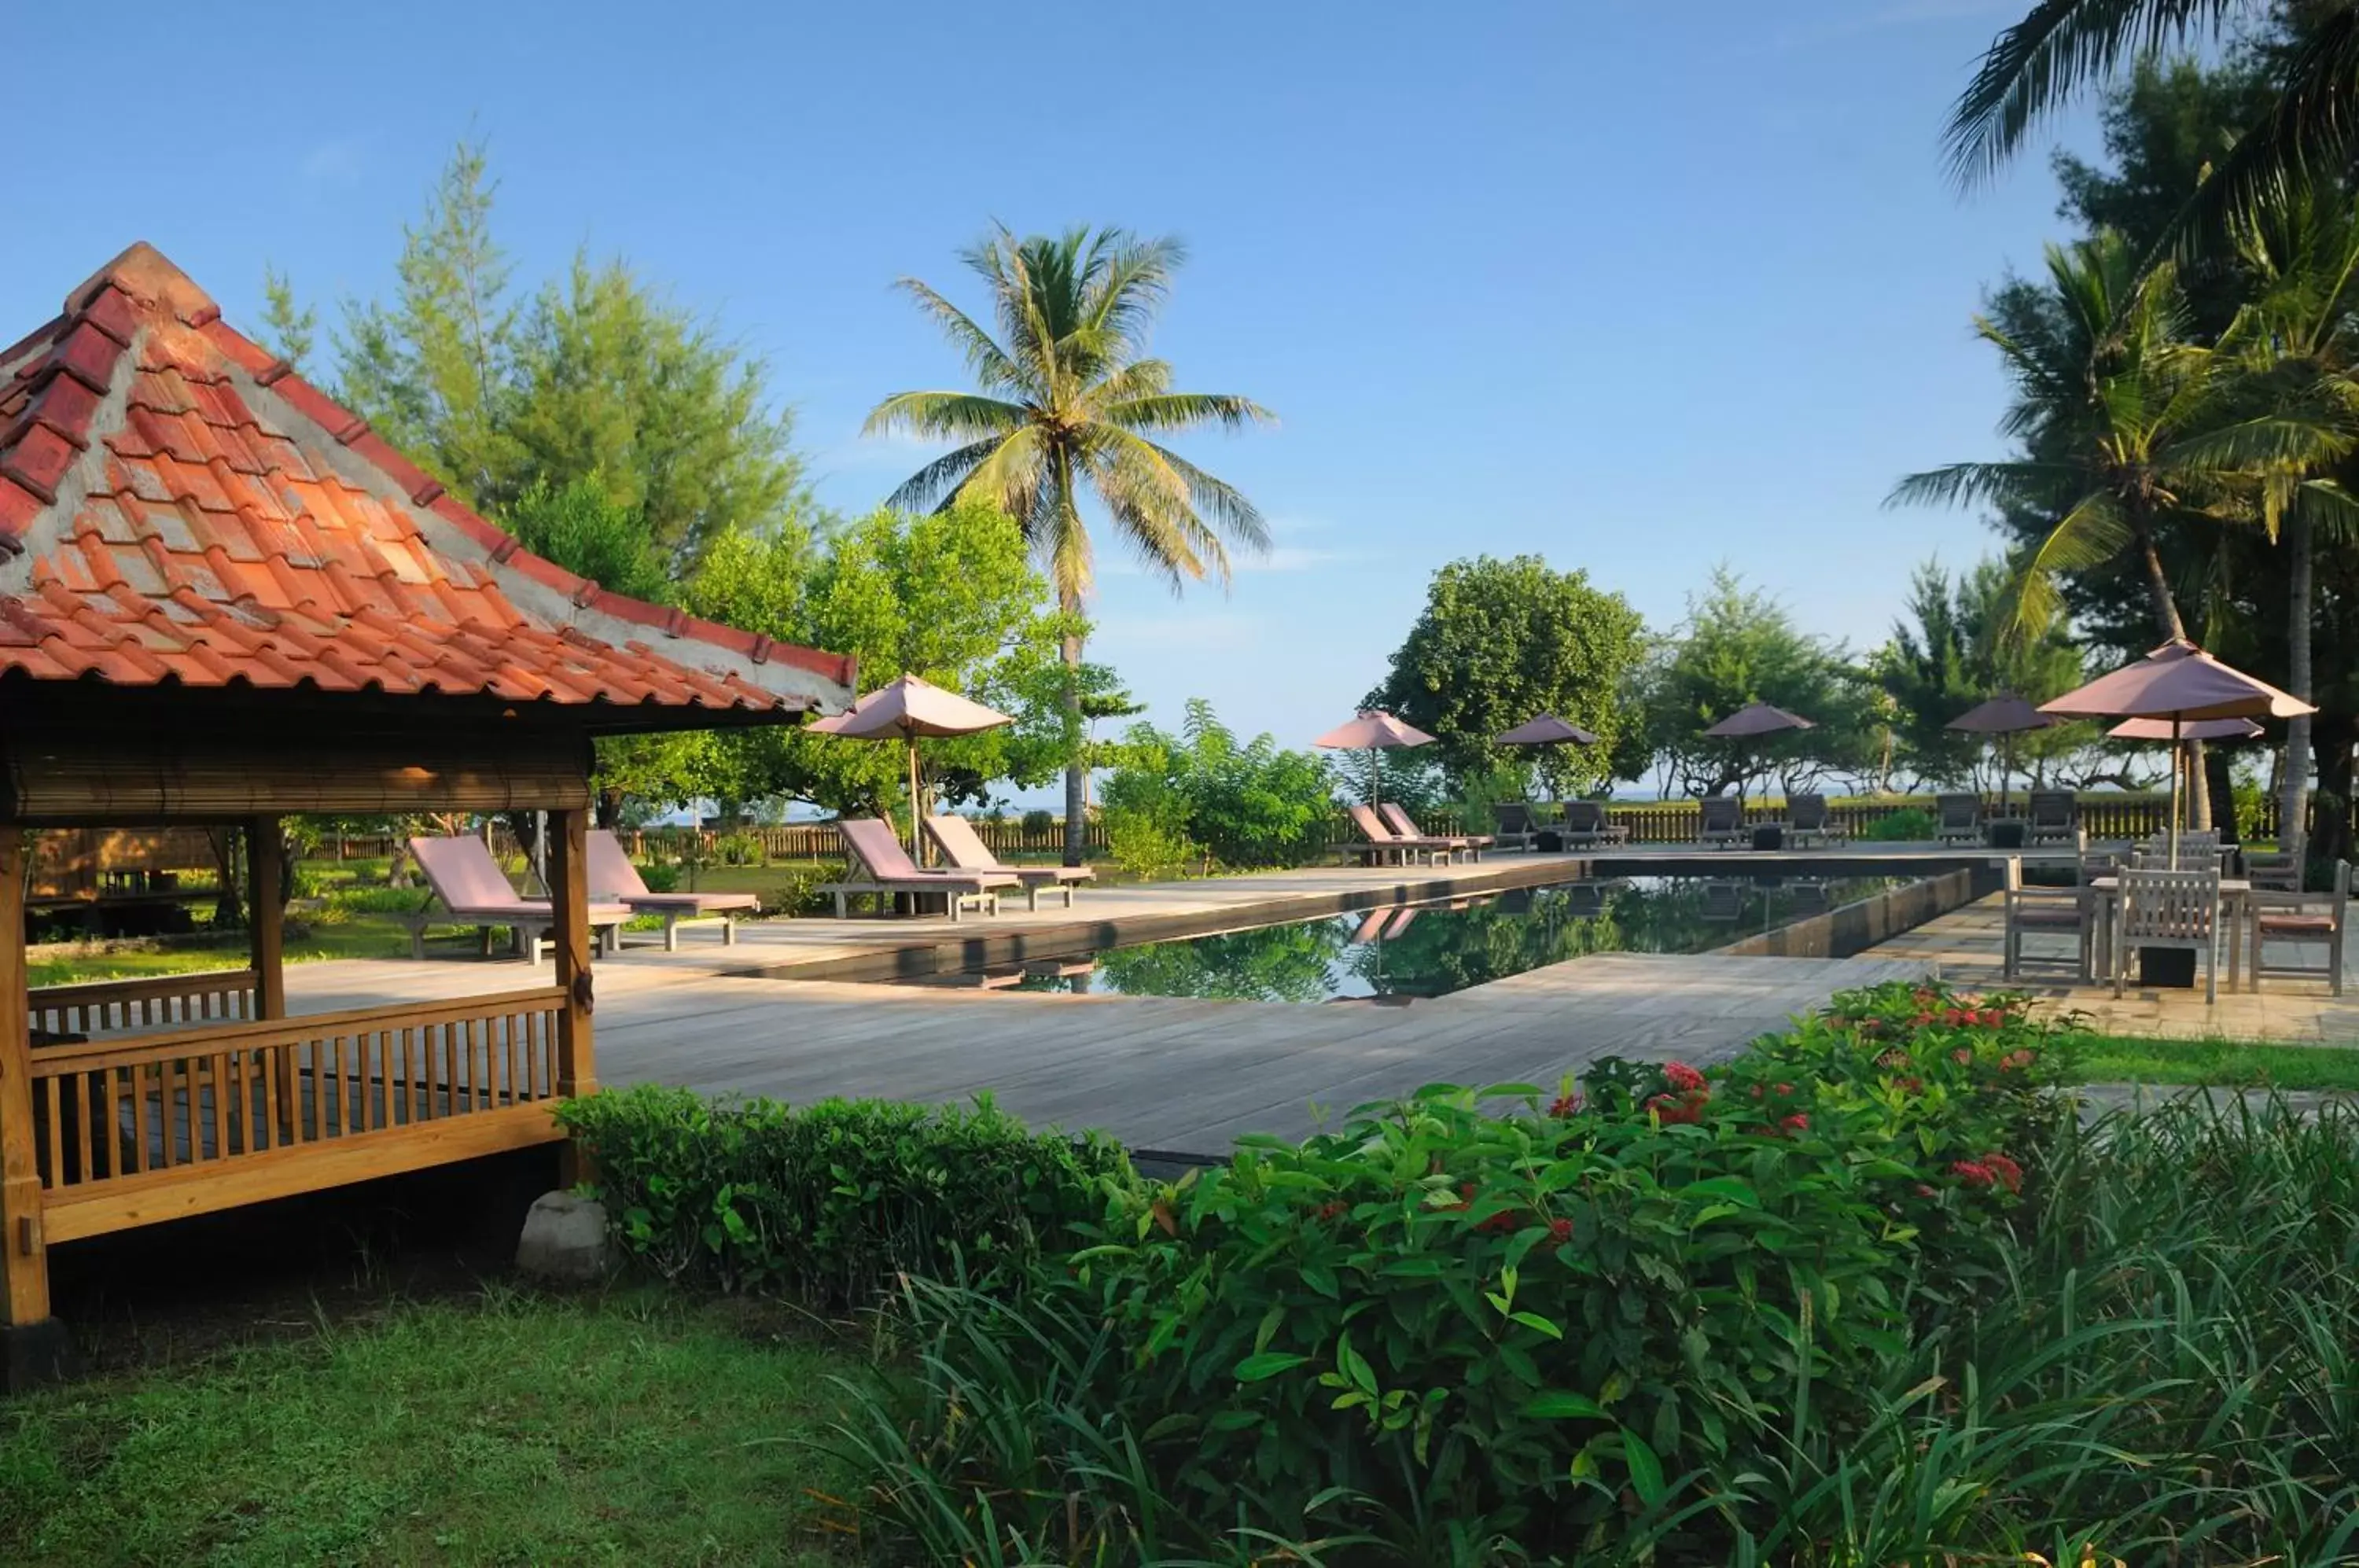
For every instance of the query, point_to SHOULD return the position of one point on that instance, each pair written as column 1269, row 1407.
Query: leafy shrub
column 1908, row 826
column 739, row 849
column 661, row 877
column 1456, row 1333
column 1248, row 805
column 1148, row 843
column 343, row 903
column 1038, row 822
column 829, row 1202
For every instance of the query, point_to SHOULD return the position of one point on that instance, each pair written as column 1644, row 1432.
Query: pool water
column 1429, row 950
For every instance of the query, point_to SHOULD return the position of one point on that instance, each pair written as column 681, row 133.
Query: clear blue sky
column 1637, row 286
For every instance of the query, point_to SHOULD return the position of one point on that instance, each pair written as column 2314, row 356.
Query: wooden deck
column 1169, row 1074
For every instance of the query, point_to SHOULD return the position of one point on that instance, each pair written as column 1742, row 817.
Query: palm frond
column 2309, row 134
column 2035, row 66
column 1148, row 503
column 1996, row 483
column 990, row 364
column 945, row 416
column 2092, row 533
column 1174, row 411
column 941, row 478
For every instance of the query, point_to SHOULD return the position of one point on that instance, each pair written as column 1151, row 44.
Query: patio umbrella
column 2181, row 684
column 1546, row 730
column 2006, row 714
column 904, row 709
column 1755, row 720
column 1374, row 732
column 2202, row 729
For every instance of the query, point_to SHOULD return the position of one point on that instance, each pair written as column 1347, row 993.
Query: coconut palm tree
column 2061, row 47
column 2296, row 342
column 2126, row 427
column 1068, row 400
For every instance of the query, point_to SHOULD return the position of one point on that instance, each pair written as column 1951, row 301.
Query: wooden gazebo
column 224, row 600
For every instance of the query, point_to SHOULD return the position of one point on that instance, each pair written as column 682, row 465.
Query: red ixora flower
column 1682, row 1077
column 1782, row 1090
column 1673, row 1110
column 1963, row 1057
column 1560, row 1232
column 2009, row 1174
column 1758, row 1091
column 1912, row 1084
column 1797, row 1122
column 1565, row 1106
column 1893, row 1059
column 1973, row 1172
column 1924, row 1192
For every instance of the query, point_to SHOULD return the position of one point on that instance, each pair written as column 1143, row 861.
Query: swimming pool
column 1430, row 950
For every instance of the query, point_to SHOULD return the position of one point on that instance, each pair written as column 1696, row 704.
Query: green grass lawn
column 2126, row 1059
column 633, row 1427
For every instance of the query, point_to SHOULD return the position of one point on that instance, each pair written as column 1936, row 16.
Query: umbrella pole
column 917, row 845
column 2174, row 790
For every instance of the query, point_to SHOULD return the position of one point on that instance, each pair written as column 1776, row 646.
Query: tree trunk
column 1077, row 771
column 2293, row 785
column 2331, row 738
column 2221, row 780
column 2167, row 622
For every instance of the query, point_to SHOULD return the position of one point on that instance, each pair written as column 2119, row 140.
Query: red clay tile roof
column 178, row 505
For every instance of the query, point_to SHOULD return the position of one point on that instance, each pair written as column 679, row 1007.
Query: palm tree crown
column 1068, row 399
column 2063, row 46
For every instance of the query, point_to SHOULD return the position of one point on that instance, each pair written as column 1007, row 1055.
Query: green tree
column 1950, row 653
column 2306, row 128
column 613, row 380
column 1739, row 645
column 1246, row 803
column 1068, row 400
column 584, row 529
column 950, row 597
column 598, row 377
column 289, row 326
column 1501, row 641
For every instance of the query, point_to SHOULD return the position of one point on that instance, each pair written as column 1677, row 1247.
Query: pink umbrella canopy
column 903, row 709
column 1757, row 719
column 1546, row 730
column 907, row 707
column 2005, row 713
column 2182, row 684
column 1373, row 732
column 2178, row 680
column 2202, row 729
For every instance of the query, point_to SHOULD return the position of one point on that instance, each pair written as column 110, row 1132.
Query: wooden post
column 265, row 857
column 568, row 890
column 23, row 1253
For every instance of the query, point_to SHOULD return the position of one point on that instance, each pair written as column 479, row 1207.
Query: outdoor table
column 2235, row 893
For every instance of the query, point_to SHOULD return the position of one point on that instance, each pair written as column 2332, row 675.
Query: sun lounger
column 1405, row 826
column 1962, row 818
column 472, row 890
column 1518, row 823
column 2055, row 816
column 880, row 868
column 965, row 849
column 1724, row 823
column 1586, row 827
column 1381, row 845
column 1809, row 818
column 614, row 878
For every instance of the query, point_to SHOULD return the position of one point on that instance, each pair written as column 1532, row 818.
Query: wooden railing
column 113, row 1006
column 132, row 1130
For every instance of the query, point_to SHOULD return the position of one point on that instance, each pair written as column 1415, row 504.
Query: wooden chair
column 2273, row 871
column 1724, row 823
column 1381, row 845
column 2306, row 919
column 2160, row 907
column 1962, row 818
column 1405, row 826
column 2050, row 911
column 474, row 891
column 2055, row 816
column 1518, row 823
column 2197, row 852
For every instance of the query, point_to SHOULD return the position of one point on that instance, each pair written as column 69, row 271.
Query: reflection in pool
column 1429, row 950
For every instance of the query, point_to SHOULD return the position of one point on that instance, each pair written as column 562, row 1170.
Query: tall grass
column 2163, row 1369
